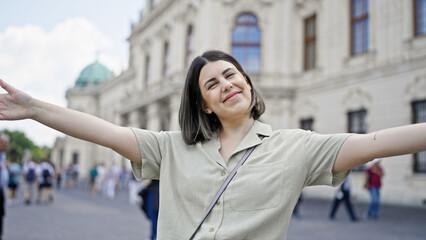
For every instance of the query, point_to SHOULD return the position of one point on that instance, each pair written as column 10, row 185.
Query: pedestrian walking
column 75, row 174
column 13, row 182
column 29, row 173
column 343, row 193
column 218, row 117
column 110, row 183
column 45, row 173
column 150, row 204
column 59, row 177
column 93, row 173
column 374, row 176
column 68, row 175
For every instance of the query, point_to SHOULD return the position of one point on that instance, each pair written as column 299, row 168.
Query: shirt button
column 211, row 230
column 223, row 173
column 218, row 203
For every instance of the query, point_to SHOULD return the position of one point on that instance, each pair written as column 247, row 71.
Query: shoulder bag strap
column 223, row 187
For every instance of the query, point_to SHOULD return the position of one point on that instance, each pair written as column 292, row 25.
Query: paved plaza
column 76, row 215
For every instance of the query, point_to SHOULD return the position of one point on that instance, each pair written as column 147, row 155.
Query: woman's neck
column 231, row 134
column 236, row 127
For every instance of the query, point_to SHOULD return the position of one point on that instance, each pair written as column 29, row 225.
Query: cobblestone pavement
column 76, row 215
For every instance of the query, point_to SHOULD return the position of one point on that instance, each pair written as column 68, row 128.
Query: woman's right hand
column 14, row 104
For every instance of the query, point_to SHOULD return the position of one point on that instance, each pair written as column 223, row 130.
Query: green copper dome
column 94, row 74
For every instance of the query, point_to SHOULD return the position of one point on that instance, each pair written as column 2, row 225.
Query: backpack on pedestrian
column 30, row 176
column 12, row 177
column 45, row 175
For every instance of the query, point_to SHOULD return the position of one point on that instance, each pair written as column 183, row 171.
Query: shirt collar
column 251, row 139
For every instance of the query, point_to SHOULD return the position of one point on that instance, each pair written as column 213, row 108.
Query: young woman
column 218, row 119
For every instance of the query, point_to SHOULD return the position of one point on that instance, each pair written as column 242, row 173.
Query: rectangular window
column 166, row 59
column 357, row 123
column 147, row 70
column 307, row 124
column 419, row 116
column 419, row 13
column 75, row 157
column 359, row 26
column 310, row 42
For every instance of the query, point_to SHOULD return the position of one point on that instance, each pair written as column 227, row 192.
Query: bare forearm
column 87, row 127
column 362, row 148
column 70, row 122
column 398, row 141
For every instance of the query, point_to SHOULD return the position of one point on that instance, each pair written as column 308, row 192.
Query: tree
column 19, row 142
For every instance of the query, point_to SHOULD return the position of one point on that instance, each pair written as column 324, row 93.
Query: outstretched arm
column 359, row 149
column 16, row 105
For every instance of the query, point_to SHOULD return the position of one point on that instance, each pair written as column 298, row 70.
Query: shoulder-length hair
column 195, row 124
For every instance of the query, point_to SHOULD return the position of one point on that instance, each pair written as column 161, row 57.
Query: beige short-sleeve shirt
column 258, row 202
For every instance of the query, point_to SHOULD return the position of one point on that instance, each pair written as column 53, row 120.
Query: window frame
column 309, row 40
column 353, row 21
column 246, row 44
column 417, row 166
column 415, row 17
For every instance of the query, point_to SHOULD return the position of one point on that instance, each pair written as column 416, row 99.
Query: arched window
column 246, row 42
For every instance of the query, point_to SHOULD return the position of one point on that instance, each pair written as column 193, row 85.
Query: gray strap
column 223, row 187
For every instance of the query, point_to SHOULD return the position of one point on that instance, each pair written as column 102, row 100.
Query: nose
column 226, row 85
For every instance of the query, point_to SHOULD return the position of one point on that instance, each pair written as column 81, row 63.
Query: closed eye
column 211, row 85
column 229, row 75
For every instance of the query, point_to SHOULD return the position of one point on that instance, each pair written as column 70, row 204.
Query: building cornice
column 146, row 22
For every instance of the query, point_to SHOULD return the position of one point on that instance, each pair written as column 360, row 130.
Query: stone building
column 326, row 65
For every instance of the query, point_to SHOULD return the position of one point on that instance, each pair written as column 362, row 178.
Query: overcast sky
column 44, row 45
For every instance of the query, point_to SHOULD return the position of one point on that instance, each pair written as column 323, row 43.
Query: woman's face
column 225, row 91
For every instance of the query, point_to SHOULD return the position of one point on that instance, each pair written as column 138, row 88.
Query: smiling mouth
column 231, row 96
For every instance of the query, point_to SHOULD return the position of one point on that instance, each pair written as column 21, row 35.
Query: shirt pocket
column 257, row 187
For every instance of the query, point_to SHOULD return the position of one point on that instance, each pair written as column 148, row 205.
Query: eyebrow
column 212, row 79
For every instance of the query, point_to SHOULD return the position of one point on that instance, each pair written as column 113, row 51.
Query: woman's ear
column 206, row 109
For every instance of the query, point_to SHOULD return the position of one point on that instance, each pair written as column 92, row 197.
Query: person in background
column 45, row 173
column 13, row 183
column 4, row 146
column 68, row 176
column 374, row 176
column 29, row 174
column 75, row 174
column 58, row 172
column 343, row 193
column 150, row 204
column 93, row 173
